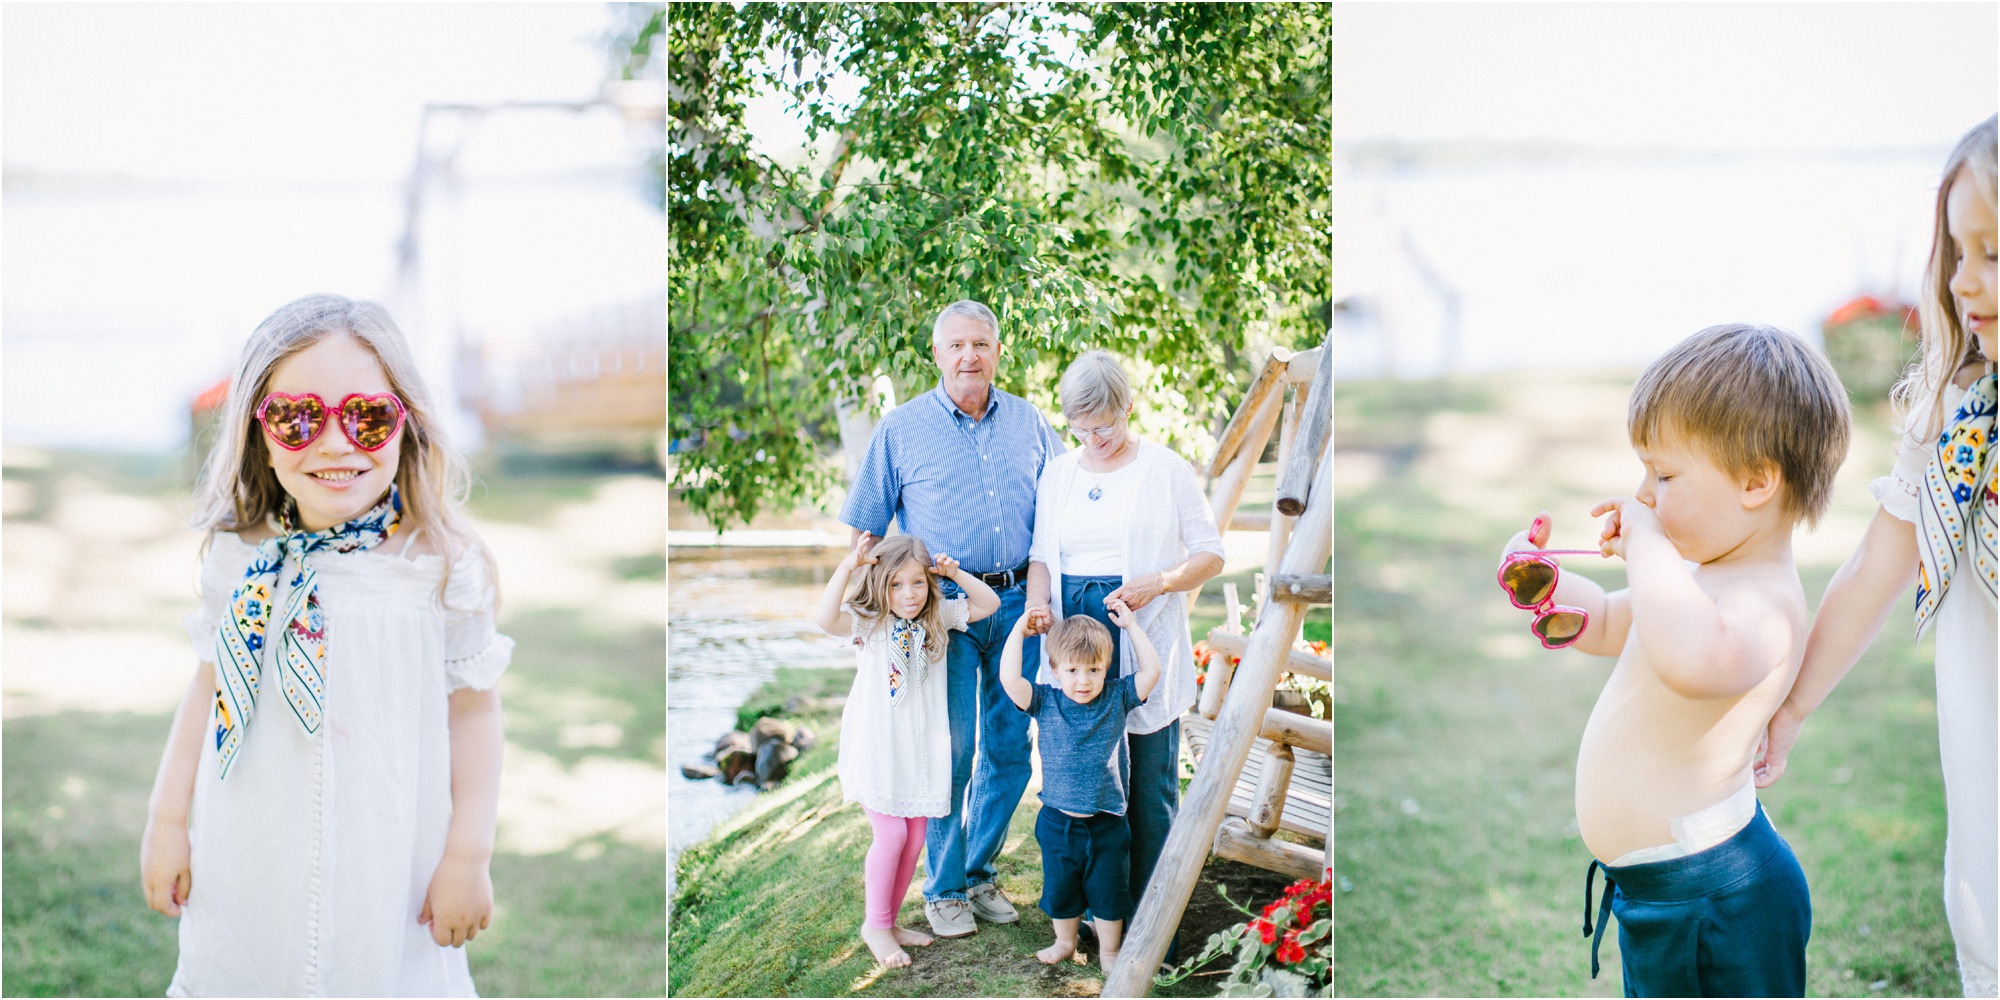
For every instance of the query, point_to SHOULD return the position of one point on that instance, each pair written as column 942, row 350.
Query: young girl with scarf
column 323, row 816
column 895, row 735
column 1936, row 527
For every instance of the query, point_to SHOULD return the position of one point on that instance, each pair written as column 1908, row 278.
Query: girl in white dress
column 324, row 811
column 895, row 736
column 1936, row 527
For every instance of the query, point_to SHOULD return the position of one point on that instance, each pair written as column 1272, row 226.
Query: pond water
column 734, row 615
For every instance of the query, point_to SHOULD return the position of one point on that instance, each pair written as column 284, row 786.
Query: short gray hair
column 1095, row 383
column 968, row 308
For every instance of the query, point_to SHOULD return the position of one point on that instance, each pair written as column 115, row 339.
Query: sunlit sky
column 278, row 91
column 1710, row 75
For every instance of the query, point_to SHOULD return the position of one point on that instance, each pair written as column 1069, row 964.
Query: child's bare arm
column 1145, row 673
column 164, row 850
column 1701, row 646
column 982, row 600
column 1018, row 687
column 459, row 902
column 1856, row 604
column 829, row 615
column 1610, row 612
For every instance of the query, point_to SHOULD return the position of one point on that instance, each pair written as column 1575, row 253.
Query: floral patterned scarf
column 1961, row 509
column 239, row 643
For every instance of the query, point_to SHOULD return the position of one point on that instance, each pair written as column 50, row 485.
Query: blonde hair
column 238, row 489
column 868, row 595
column 1752, row 397
column 1095, row 383
column 1919, row 397
column 1079, row 639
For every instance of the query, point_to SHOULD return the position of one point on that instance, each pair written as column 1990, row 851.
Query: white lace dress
column 311, row 861
column 896, row 759
column 1968, row 707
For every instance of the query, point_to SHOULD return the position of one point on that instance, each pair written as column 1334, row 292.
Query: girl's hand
column 859, row 554
column 163, row 866
column 1627, row 517
column 1138, row 593
column 1121, row 612
column 459, row 903
column 1536, row 537
column 944, row 565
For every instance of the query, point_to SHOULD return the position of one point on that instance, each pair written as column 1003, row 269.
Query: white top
column 311, row 862
column 1968, row 707
column 1169, row 521
column 897, row 760
column 1093, row 528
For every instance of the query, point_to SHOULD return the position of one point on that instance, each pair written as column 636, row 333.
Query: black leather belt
column 1001, row 581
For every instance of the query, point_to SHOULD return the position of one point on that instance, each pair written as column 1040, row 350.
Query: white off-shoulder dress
column 311, row 861
column 896, row 759
column 1968, row 708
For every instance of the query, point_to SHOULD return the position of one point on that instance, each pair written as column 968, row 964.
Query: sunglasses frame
column 1548, row 608
column 334, row 415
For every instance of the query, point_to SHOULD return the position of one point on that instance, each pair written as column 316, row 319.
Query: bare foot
column 1055, row 954
column 882, row 942
column 904, row 935
column 1107, row 959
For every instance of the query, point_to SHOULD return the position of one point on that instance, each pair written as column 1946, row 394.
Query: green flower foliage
column 1148, row 178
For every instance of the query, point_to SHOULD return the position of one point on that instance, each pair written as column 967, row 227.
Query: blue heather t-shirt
column 1083, row 746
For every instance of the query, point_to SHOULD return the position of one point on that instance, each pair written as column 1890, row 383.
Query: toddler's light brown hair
column 1751, row 397
column 1079, row 639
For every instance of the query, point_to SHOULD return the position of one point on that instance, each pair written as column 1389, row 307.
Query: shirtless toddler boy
column 1741, row 429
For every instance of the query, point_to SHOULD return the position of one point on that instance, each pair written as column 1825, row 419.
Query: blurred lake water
column 1598, row 264
column 143, row 292
column 736, row 614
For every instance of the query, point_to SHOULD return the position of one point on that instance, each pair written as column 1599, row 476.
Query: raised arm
column 1196, row 524
column 164, row 850
column 1699, row 645
column 828, row 616
column 983, row 601
column 1857, row 602
column 1018, row 688
column 1610, row 613
column 1146, row 673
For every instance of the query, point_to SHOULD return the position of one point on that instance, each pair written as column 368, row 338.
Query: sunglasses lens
column 293, row 423
column 1528, row 582
column 1559, row 628
column 371, row 422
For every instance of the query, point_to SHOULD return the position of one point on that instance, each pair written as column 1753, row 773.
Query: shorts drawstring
column 1603, row 910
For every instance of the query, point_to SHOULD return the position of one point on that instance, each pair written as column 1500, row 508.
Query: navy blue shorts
column 1730, row 921
column 1086, row 863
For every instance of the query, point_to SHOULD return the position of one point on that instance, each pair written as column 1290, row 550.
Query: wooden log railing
column 1237, row 724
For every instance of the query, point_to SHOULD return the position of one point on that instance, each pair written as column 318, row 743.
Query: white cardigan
column 1169, row 521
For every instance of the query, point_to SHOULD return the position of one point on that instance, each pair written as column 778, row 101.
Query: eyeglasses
column 1529, row 578
column 1100, row 433
column 296, row 421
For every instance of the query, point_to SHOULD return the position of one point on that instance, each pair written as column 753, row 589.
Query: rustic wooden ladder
column 1239, row 702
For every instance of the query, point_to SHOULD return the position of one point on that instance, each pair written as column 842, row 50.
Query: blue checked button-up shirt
column 964, row 486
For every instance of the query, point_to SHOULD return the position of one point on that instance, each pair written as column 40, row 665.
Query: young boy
column 1080, row 724
column 1741, row 429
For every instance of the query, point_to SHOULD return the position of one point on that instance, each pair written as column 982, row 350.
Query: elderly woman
column 1125, row 518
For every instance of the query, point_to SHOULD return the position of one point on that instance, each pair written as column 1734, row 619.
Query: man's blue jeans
column 959, row 850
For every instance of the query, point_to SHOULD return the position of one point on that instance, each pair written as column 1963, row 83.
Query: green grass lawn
column 1458, row 863
column 586, row 921
column 771, row 904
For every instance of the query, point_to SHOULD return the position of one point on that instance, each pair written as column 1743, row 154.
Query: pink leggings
column 892, row 859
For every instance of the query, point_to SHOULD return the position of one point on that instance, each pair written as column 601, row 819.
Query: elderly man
column 957, row 468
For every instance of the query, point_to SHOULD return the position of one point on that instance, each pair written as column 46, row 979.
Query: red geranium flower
column 1291, row 951
column 1265, row 930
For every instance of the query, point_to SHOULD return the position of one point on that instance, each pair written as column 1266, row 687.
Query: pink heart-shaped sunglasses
column 296, row 421
column 1529, row 578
